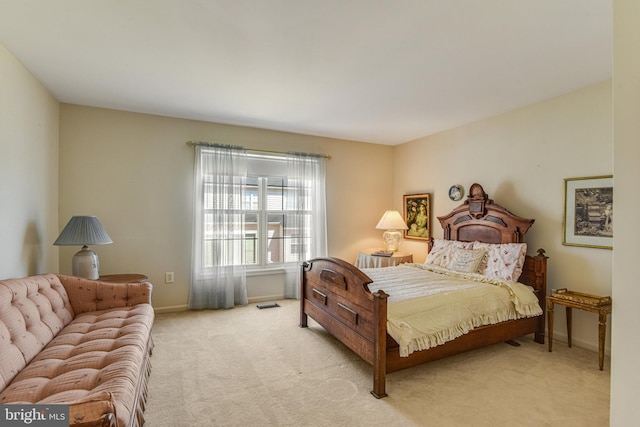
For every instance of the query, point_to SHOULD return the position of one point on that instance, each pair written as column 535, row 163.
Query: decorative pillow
column 465, row 260
column 441, row 248
column 504, row 261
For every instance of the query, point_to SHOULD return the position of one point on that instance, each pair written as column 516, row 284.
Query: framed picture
column 417, row 216
column 588, row 212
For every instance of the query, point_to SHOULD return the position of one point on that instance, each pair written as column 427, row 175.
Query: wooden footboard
column 336, row 295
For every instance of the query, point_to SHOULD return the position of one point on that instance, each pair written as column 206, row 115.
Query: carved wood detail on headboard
column 480, row 218
column 477, row 199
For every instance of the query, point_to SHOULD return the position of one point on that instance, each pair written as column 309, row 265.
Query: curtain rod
column 213, row 144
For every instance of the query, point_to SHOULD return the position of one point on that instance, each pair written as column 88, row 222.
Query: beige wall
column 135, row 173
column 521, row 158
column 28, row 172
column 625, row 375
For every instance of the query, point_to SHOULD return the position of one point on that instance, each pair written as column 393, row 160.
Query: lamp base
column 392, row 239
column 85, row 264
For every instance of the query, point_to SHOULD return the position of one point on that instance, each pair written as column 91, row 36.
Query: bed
column 337, row 295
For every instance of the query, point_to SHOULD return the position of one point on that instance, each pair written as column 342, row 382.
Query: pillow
column 465, row 260
column 504, row 261
column 441, row 249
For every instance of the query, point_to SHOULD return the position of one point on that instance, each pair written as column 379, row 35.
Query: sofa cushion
column 98, row 354
column 32, row 311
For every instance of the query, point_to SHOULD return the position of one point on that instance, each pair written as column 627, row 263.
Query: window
column 273, row 216
column 253, row 211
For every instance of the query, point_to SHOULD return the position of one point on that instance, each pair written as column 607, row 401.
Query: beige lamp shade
column 391, row 220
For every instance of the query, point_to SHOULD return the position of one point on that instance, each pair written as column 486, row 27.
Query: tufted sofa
column 79, row 342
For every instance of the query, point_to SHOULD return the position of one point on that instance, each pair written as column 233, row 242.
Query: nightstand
column 124, row 278
column 586, row 302
column 367, row 260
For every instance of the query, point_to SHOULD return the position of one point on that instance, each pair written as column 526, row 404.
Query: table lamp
column 392, row 222
column 84, row 230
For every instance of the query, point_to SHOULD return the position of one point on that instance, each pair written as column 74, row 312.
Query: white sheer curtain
column 306, row 212
column 218, row 274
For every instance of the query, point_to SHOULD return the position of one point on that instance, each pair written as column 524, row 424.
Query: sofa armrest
column 97, row 410
column 92, row 295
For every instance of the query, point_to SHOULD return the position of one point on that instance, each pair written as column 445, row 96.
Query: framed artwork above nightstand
column 417, row 216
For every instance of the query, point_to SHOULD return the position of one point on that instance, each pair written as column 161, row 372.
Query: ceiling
column 379, row 71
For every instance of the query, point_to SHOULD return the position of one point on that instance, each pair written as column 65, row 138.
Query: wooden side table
column 586, row 302
column 367, row 260
column 123, row 278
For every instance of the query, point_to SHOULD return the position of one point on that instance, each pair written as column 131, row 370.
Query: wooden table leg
column 590, row 303
column 569, row 324
column 550, row 323
column 602, row 330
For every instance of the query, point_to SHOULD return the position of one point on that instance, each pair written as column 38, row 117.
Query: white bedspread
column 429, row 306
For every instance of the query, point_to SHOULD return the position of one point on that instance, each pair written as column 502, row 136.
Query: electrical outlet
column 168, row 277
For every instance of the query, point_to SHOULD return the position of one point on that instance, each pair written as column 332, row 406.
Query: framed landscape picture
column 417, row 216
column 588, row 212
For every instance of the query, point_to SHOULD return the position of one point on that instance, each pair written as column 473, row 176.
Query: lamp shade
column 391, row 220
column 81, row 231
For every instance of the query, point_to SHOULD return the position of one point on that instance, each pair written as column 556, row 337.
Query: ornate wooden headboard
column 479, row 218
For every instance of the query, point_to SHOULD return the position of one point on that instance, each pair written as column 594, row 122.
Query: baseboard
column 587, row 345
column 265, row 298
column 170, row 309
column 177, row 308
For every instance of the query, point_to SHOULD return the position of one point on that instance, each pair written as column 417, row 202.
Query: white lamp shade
column 391, row 220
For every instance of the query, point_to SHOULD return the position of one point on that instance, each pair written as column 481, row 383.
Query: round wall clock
column 456, row 192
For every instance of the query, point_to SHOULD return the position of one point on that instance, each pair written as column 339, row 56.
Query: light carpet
column 251, row 367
